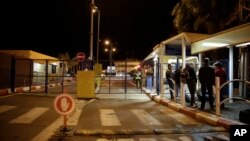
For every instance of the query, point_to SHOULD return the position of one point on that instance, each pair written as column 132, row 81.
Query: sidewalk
column 229, row 115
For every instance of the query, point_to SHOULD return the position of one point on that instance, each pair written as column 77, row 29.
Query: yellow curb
column 157, row 99
column 211, row 119
column 174, row 106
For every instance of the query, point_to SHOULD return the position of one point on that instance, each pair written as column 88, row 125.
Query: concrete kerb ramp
column 144, row 131
column 195, row 113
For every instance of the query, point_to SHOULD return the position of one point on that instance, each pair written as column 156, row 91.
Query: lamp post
column 110, row 50
column 91, row 30
column 96, row 10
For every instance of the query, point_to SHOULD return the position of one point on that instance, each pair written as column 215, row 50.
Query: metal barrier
column 218, row 88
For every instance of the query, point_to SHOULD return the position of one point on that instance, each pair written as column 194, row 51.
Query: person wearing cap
column 207, row 80
column 221, row 73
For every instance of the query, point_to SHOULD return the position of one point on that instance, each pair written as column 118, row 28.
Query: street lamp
column 96, row 10
column 91, row 31
column 110, row 50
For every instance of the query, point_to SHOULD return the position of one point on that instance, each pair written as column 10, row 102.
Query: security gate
column 56, row 76
column 120, row 78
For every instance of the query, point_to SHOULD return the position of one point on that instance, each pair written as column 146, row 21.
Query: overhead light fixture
column 155, row 58
column 242, row 45
column 207, row 44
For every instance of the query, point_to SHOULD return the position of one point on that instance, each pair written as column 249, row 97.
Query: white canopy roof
column 177, row 40
column 230, row 37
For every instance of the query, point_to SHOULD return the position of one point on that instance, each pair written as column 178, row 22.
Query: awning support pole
column 183, row 102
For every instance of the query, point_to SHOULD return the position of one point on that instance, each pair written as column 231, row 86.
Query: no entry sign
column 80, row 56
column 64, row 104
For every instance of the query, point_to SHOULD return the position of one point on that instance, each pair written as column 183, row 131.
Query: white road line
column 183, row 119
column 117, row 140
column 109, row 118
column 125, row 140
column 74, row 119
column 145, row 118
column 179, row 117
column 147, row 139
column 4, row 108
column 30, row 115
column 45, row 134
column 49, row 130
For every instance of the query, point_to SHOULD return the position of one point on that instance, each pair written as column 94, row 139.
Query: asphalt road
column 29, row 117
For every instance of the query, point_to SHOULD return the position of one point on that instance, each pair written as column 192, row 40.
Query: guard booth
column 85, row 84
column 85, row 77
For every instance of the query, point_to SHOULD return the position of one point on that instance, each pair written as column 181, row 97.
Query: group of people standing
column 206, row 77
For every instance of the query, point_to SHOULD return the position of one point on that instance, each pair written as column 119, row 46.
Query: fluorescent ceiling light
column 207, row 44
column 244, row 44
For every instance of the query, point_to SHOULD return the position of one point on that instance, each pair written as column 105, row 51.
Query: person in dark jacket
column 169, row 76
column 207, row 79
column 177, row 79
column 191, row 82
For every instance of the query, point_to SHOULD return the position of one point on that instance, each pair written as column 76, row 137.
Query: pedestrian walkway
column 229, row 114
column 231, row 110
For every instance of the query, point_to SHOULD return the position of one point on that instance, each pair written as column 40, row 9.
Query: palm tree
column 205, row 16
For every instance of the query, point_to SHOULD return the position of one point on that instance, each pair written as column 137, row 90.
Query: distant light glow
column 207, row 44
column 107, row 42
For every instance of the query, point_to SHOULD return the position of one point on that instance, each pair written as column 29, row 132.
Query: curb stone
column 200, row 115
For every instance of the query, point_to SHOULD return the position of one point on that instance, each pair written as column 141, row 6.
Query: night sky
column 54, row 26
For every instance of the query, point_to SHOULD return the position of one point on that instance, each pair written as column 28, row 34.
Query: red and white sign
column 64, row 104
column 80, row 56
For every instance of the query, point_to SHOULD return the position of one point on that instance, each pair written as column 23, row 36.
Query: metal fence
column 58, row 76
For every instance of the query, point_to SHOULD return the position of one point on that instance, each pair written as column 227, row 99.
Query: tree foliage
column 205, row 16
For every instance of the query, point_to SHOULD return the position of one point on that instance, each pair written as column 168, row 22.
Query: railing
column 218, row 88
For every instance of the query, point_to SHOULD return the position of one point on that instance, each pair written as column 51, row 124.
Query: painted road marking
column 45, row 134
column 116, row 140
column 109, row 118
column 74, row 118
column 179, row 117
column 146, row 118
column 183, row 119
column 147, row 139
column 30, row 115
column 4, row 108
